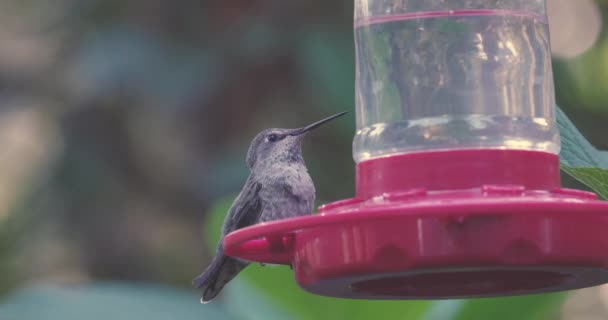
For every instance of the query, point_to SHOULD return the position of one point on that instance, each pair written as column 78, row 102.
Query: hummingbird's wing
column 246, row 207
column 244, row 212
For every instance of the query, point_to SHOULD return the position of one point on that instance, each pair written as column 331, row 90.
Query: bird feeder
column 457, row 170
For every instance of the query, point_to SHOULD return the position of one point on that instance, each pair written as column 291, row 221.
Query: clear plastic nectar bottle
column 453, row 74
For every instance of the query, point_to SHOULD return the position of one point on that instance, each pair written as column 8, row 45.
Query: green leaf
column 580, row 159
column 576, row 151
column 536, row 307
column 278, row 284
column 594, row 178
column 109, row 301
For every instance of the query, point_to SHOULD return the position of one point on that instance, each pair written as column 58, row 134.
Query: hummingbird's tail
column 217, row 275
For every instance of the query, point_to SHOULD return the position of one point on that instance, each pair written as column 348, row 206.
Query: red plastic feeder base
column 408, row 235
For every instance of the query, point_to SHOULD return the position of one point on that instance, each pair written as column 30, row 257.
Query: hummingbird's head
column 281, row 145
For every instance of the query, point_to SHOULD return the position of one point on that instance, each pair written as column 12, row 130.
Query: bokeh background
column 123, row 130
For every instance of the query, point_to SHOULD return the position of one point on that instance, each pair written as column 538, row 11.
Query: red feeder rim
column 447, row 224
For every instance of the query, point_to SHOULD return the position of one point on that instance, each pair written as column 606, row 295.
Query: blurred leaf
column 328, row 63
column 278, row 284
column 259, row 42
column 536, row 307
column 580, row 159
column 576, row 151
column 594, row 178
column 589, row 74
column 444, row 309
column 244, row 302
column 120, row 58
column 109, row 301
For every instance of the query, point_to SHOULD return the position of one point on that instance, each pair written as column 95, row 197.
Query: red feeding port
column 518, row 234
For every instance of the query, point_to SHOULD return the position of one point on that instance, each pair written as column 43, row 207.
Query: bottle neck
column 457, row 169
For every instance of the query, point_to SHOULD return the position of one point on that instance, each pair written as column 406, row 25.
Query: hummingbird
column 278, row 187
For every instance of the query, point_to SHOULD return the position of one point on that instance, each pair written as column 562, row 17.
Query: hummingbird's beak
column 309, row 127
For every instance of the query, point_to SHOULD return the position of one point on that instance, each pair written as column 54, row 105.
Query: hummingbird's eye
column 273, row 137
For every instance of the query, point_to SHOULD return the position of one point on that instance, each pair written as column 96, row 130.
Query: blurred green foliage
column 108, row 301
